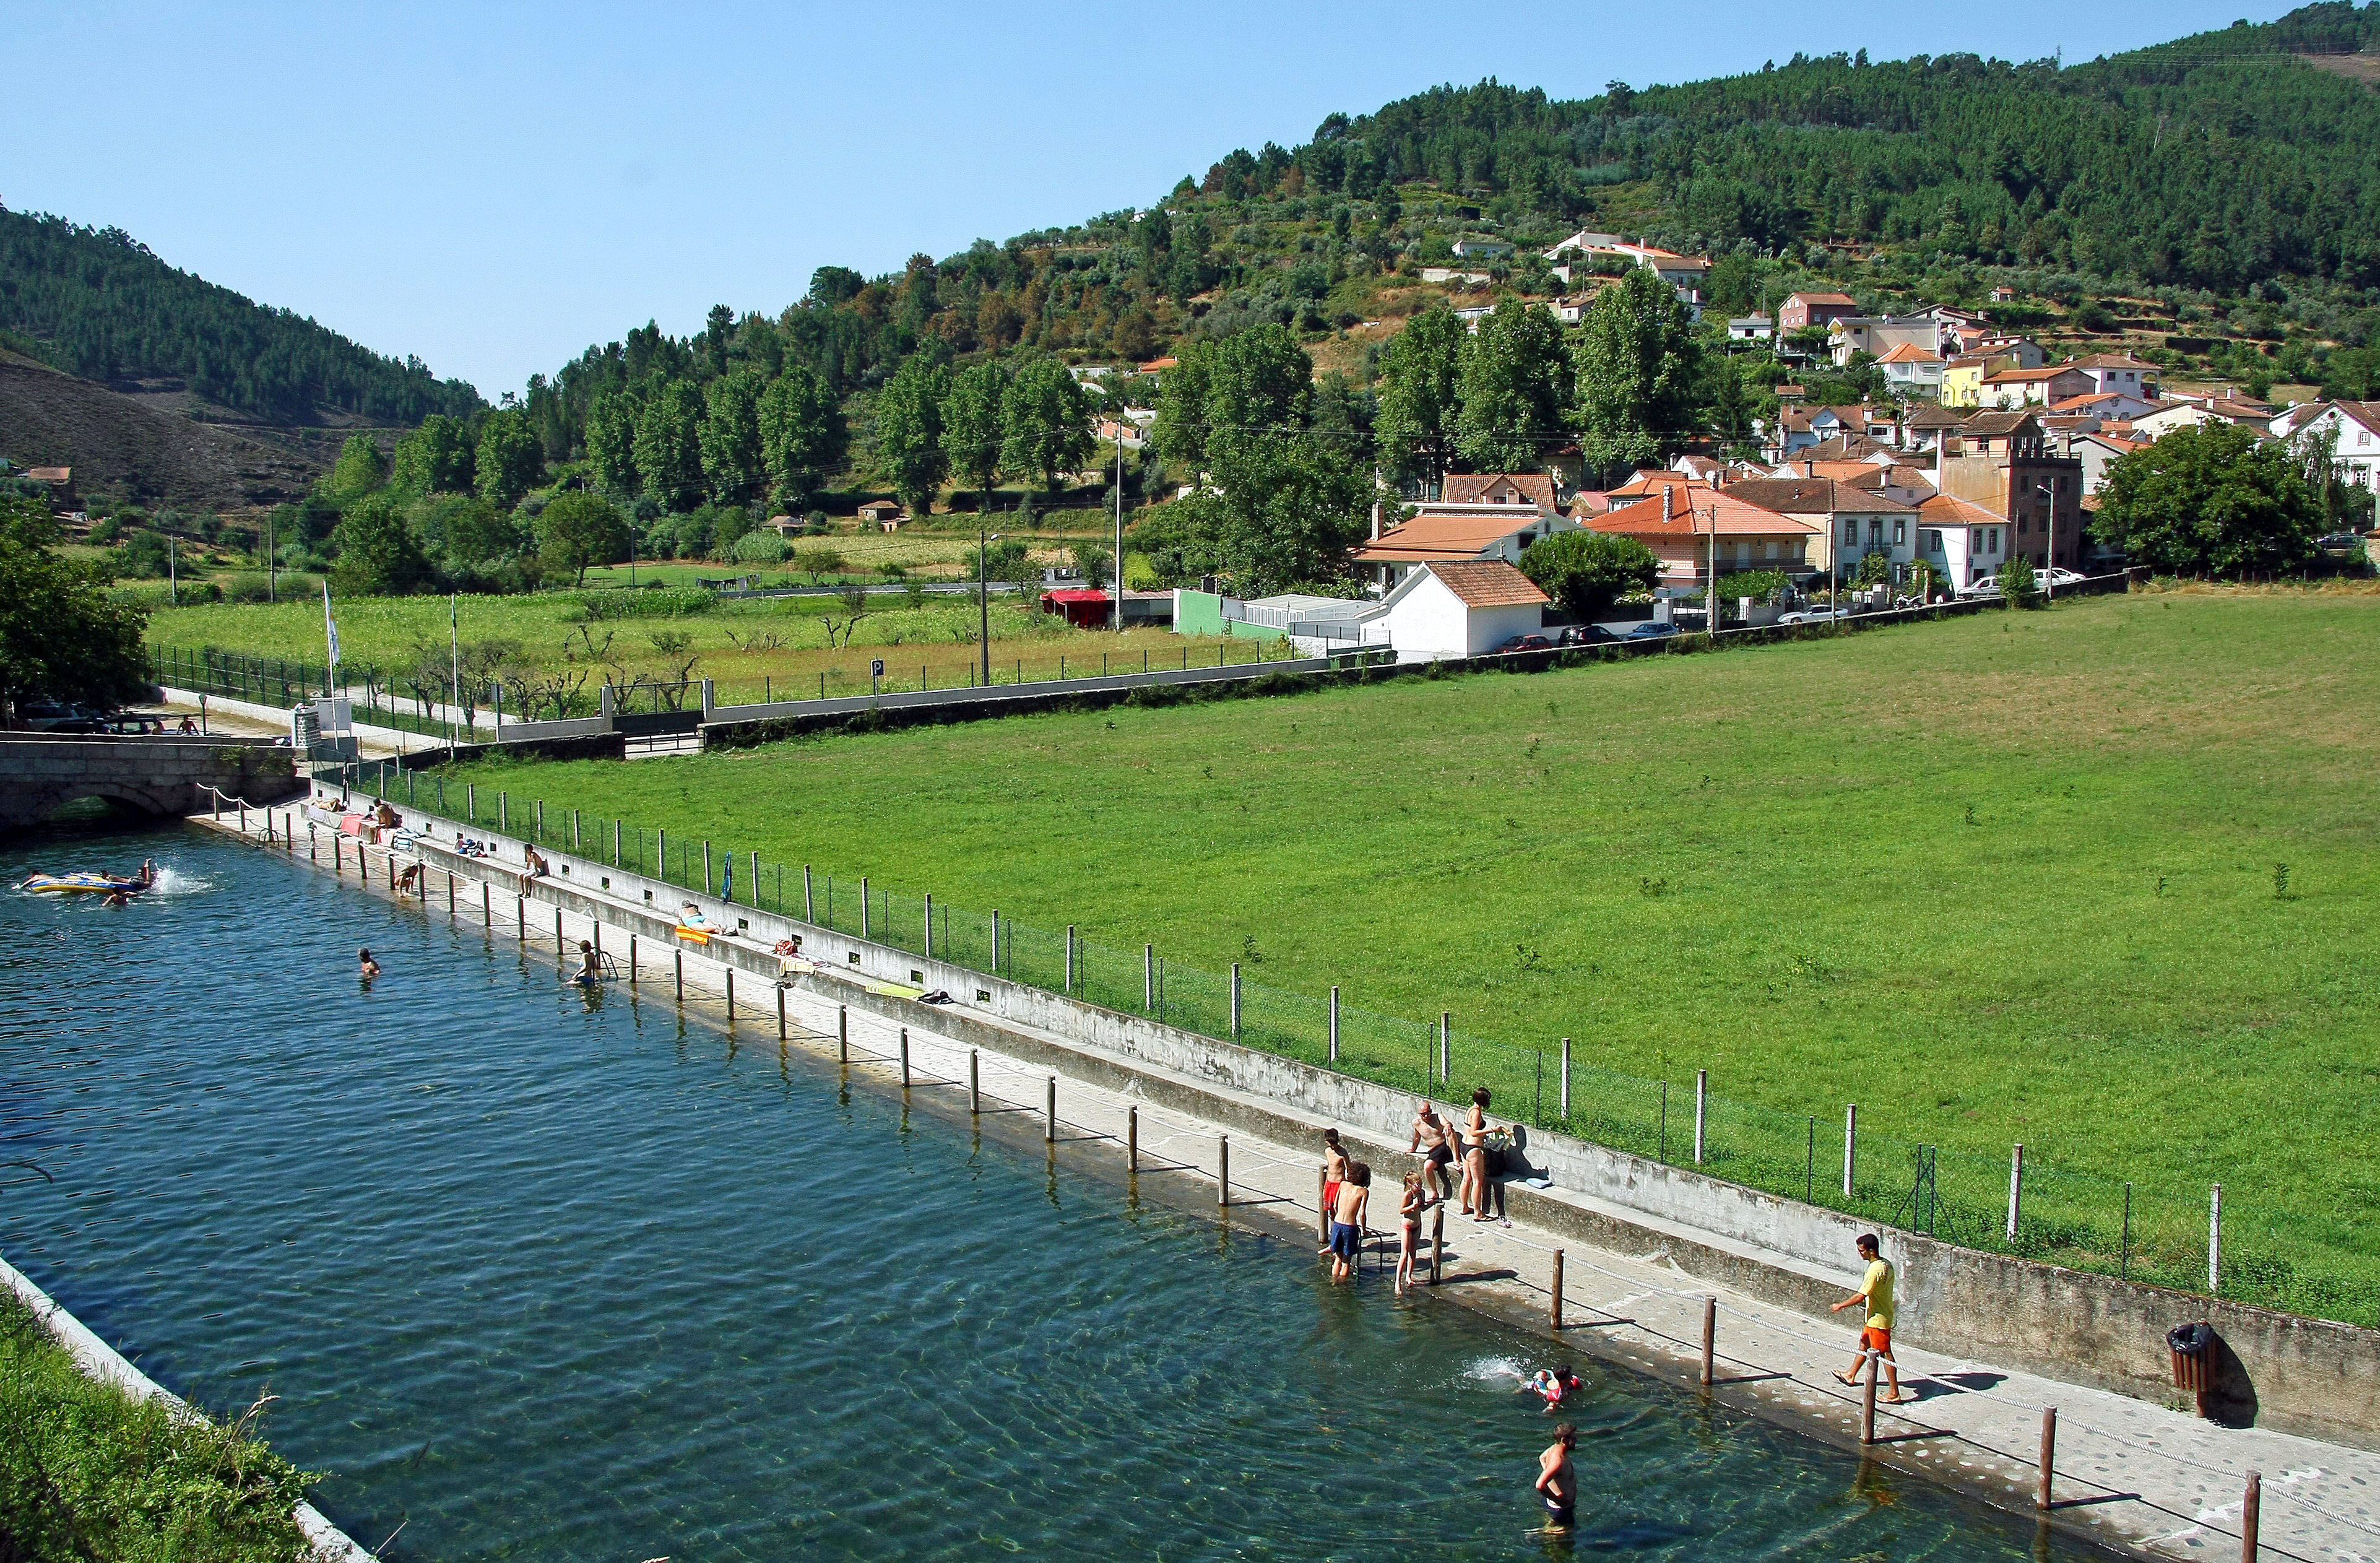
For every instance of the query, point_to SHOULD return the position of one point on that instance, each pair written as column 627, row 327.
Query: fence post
column 706, row 880
column 1222, row 1171
column 756, row 882
column 1850, row 1145
column 1148, row 979
column 1702, row 1095
column 677, row 962
column 1235, row 1001
column 995, row 941
column 1050, row 1126
column 2048, row 1455
column 504, row 812
column 781, row 1013
column 929, row 925
column 975, row 1080
column 487, row 902
column 661, row 854
column 1867, row 1402
column 904, row 1058
column 731, row 999
column 560, row 951
column 520, row 919
column 1565, row 1080
column 1437, row 1240
column 450, row 893
column 1554, row 1304
column 2016, row 1189
column 1070, row 958
column 632, row 960
column 1710, row 1338
column 2214, row 1243
column 617, row 831
column 843, row 1032
column 1445, row 1047
column 1334, row 1023
column 2251, row 1514
column 867, row 930
column 1132, row 1139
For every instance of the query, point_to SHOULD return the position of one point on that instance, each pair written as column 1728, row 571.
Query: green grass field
column 2011, row 877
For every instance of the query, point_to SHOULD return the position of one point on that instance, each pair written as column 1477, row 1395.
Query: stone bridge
column 161, row 774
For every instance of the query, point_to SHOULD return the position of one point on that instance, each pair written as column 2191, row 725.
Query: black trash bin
column 2193, row 1353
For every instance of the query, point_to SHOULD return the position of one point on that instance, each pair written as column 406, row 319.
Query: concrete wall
column 159, row 774
column 2283, row 1371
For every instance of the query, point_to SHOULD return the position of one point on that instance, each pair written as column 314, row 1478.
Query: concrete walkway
column 2126, row 1475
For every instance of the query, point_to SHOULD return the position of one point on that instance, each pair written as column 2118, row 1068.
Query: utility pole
column 173, row 570
column 983, row 584
column 2049, row 546
column 272, row 591
column 1119, row 524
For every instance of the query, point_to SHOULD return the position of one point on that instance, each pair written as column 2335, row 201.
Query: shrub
column 651, row 602
column 249, row 586
column 1761, row 586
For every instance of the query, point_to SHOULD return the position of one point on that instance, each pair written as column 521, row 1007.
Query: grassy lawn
column 751, row 648
column 2006, row 879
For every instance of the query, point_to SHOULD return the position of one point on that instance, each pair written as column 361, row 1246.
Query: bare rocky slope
column 119, row 445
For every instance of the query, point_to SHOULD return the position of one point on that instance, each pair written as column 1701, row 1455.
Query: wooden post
column 1868, row 1401
column 1553, row 1309
column 1322, row 1201
column 632, row 960
column 1702, row 1096
column 810, row 908
column 1223, row 1171
column 731, row 998
column 929, row 925
column 1334, row 1023
column 560, row 951
column 2048, row 1455
column 2251, row 1509
column 1436, row 1242
column 2016, row 1190
column 1049, row 1130
column 677, row 962
column 1850, row 1145
column 975, row 1081
column 338, row 858
column 781, row 1014
column 450, row 892
column 904, row 1058
column 595, row 931
column 1132, row 1139
column 1710, row 1338
column 843, row 1032
column 1565, row 1080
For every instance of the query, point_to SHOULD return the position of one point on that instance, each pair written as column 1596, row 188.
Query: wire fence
column 2240, row 1244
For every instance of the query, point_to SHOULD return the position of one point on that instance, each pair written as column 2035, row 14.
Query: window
column 1899, row 531
column 2023, row 525
column 1991, row 539
column 1874, row 531
column 1850, row 529
column 1933, row 543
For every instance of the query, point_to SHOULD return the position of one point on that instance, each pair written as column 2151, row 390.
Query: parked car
column 1652, row 630
column 2339, row 542
column 58, row 716
column 1813, row 615
column 1524, row 643
column 1988, row 586
column 1586, row 634
column 2058, row 575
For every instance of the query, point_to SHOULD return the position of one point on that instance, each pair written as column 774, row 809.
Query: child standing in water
column 1416, row 1200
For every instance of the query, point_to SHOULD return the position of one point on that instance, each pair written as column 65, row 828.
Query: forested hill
column 97, row 303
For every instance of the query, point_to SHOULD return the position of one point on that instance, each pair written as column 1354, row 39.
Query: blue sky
column 494, row 187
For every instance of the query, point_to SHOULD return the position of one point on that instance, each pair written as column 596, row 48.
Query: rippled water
column 537, row 1278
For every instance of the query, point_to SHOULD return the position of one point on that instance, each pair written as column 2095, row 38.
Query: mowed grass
column 2006, row 878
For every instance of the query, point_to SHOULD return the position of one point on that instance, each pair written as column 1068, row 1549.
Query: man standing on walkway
column 1876, row 1291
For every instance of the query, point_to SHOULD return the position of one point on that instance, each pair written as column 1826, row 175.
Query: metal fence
column 2239, row 1244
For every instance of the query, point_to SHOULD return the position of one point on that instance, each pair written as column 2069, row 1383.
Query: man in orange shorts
column 1876, row 1291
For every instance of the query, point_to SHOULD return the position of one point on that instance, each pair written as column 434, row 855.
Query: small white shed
column 1457, row 607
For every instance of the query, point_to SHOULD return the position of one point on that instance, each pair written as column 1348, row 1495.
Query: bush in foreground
column 88, row 1471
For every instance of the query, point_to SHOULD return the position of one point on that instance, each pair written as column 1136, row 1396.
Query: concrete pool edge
column 100, row 1361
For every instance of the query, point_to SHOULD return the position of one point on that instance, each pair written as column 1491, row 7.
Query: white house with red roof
column 1913, row 370
column 1453, row 608
column 2355, row 427
column 1690, row 528
column 1960, row 540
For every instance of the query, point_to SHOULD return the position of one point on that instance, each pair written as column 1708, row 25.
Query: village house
column 2118, row 374
column 1854, row 334
column 1447, row 609
column 1689, row 526
column 1962, row 541
column 1751, row 328
column 2355, row 431
column 2007, row 389
column 1848, row 522
column 884, row 514
column 1491, row 516
column 2003, row 462
column 1801, row 310
column 1684, row 273
column 1913, row 370
column 2093, row 450
column 2190, row 412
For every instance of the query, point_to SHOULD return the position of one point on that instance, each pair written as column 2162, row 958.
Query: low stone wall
column 2279, row 1370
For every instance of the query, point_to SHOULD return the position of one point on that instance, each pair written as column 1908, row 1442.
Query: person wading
column 1334, row 1175
column 1347, row 1221
column 1557, row 1480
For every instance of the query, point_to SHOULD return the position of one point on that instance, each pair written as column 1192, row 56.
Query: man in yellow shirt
column 1876, row 1291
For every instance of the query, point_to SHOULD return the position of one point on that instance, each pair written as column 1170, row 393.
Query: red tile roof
column 1699, row 513
column 1473, row 487
column 1488, row 583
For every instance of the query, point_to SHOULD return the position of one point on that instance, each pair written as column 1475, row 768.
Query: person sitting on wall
column 789, row 959
column 534, row 863
column 386, row 817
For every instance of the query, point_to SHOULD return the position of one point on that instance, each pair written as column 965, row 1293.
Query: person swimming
column 1551, row 1384
column 591, row 966
column 366, row 967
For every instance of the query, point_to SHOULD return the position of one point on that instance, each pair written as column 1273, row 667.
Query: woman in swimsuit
column 366, row 967
column 1478, row 1182
column 1415, row 1201
column 590, row 971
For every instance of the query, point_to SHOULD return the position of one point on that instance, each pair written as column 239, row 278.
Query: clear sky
column 492, row 186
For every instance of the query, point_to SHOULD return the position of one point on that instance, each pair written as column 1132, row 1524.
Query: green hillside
column 100, row 304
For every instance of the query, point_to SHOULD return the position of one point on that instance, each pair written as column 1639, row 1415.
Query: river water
column 540, row 1277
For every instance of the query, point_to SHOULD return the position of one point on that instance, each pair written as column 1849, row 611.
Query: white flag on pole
column 330, row 625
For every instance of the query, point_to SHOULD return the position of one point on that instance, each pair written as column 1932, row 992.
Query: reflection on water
column 543, row 1275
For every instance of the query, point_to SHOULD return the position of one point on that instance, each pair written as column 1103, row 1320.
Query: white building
column 1913, row 370
column 1456, row 608
column 1750, row 327
column 2356, row 452
column 1963, row 542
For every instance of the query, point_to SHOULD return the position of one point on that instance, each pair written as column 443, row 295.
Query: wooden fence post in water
column 1868, row 1401
column 450, row 892
column 781, row 1014
column 1436, row 1242
column 731, row 998
column 1132, row 1140
column 1223, row 1171
column 561, row 951
column 975, row 1081
column 520, row 919
column 677, row 960
column 1050, row 1131
column 632, row 960
column 1710, row 1338
column 904, row 1058
column 843, row 1032
column 486, row 906
column 1553, row 1306
column 2048, row 1455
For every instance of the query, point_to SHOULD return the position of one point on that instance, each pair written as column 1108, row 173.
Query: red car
column 1523, row 643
